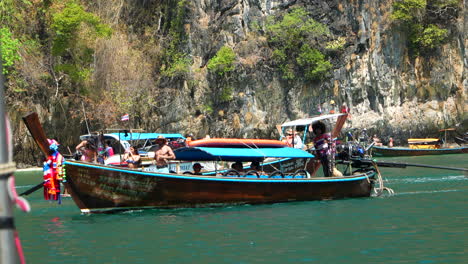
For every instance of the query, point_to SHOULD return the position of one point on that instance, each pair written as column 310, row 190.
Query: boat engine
column 350, row 150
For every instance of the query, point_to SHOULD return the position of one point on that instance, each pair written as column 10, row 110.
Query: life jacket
column 53, row 174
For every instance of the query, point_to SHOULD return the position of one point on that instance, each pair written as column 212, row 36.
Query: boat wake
column 428, row 179
column 426, row 192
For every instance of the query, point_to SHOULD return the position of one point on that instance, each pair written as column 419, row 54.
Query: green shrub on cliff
column 226, row 94
column 176, row 61
column 8, row 49
column 14, row 14
column 178, row 65
column 292, row 37
column 223, row 61
column 408, row 10
column 74, row 32
column 425, row 21
column 313, row 62
column 430, row 37
column 70, row 23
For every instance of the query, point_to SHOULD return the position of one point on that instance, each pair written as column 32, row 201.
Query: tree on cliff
column 295, row 40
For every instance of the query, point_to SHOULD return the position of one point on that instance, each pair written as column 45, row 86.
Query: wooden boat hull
column 396, row 151
column 97, row 188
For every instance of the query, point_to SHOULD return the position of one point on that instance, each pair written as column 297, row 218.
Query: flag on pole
column 125, row 118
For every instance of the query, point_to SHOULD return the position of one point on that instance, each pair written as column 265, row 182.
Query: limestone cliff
column 385, row 89
column 389, row 90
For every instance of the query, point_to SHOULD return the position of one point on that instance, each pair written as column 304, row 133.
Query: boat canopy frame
column 306, row 122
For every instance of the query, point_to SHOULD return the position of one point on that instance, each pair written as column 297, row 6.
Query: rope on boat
column 7, row 168
column 255, row 148
column 380, row 190
column 367, row 178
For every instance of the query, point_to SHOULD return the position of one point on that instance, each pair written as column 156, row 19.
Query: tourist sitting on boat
column 162, row 154
column 376, row 140
column 189, row 137
column 177, row 143
column 255, row 166
column 323, row 147
column 87, row 150
column 293, row 140
column 132, row 158
column 197, row 168
column 101, row 148
column 109, row 149
column 390, row 142
column 237, row 166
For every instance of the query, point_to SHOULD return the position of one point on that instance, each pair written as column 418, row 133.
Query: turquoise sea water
column 426, row 221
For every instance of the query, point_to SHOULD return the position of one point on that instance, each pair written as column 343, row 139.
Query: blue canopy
column 144, row 136
column 238, row 154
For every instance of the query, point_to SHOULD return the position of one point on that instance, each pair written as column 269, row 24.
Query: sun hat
column 52, row 141
column 160, row 138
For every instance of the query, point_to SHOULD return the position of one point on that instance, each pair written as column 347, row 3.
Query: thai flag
column 125, row 118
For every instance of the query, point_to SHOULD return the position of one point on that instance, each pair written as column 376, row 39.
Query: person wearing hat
column 162, row 154
column 197, row 168
column 332, row 106
column 53, row 172
column 293, row 140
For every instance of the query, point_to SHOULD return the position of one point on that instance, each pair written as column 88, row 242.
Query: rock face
column 388, row 91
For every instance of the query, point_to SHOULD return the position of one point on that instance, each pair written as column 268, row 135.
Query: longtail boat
column 421, row 146
column 400, row 151
column 285, row 178
column 96, row 187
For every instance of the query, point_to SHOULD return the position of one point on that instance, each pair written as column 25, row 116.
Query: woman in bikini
column 88, row 151
column 132, row 157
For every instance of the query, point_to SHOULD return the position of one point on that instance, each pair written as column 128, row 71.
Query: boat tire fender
column 252, row 172
column 276, row 173
column 302, row 173
column 231, row 172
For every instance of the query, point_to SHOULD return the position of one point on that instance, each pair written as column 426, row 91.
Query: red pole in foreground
column 8, row 254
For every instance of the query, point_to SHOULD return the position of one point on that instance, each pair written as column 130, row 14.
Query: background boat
column 400, row 151
column 422, row 146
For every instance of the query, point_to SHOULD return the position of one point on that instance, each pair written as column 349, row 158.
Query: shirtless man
column 377, row 141
column 162, row 154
